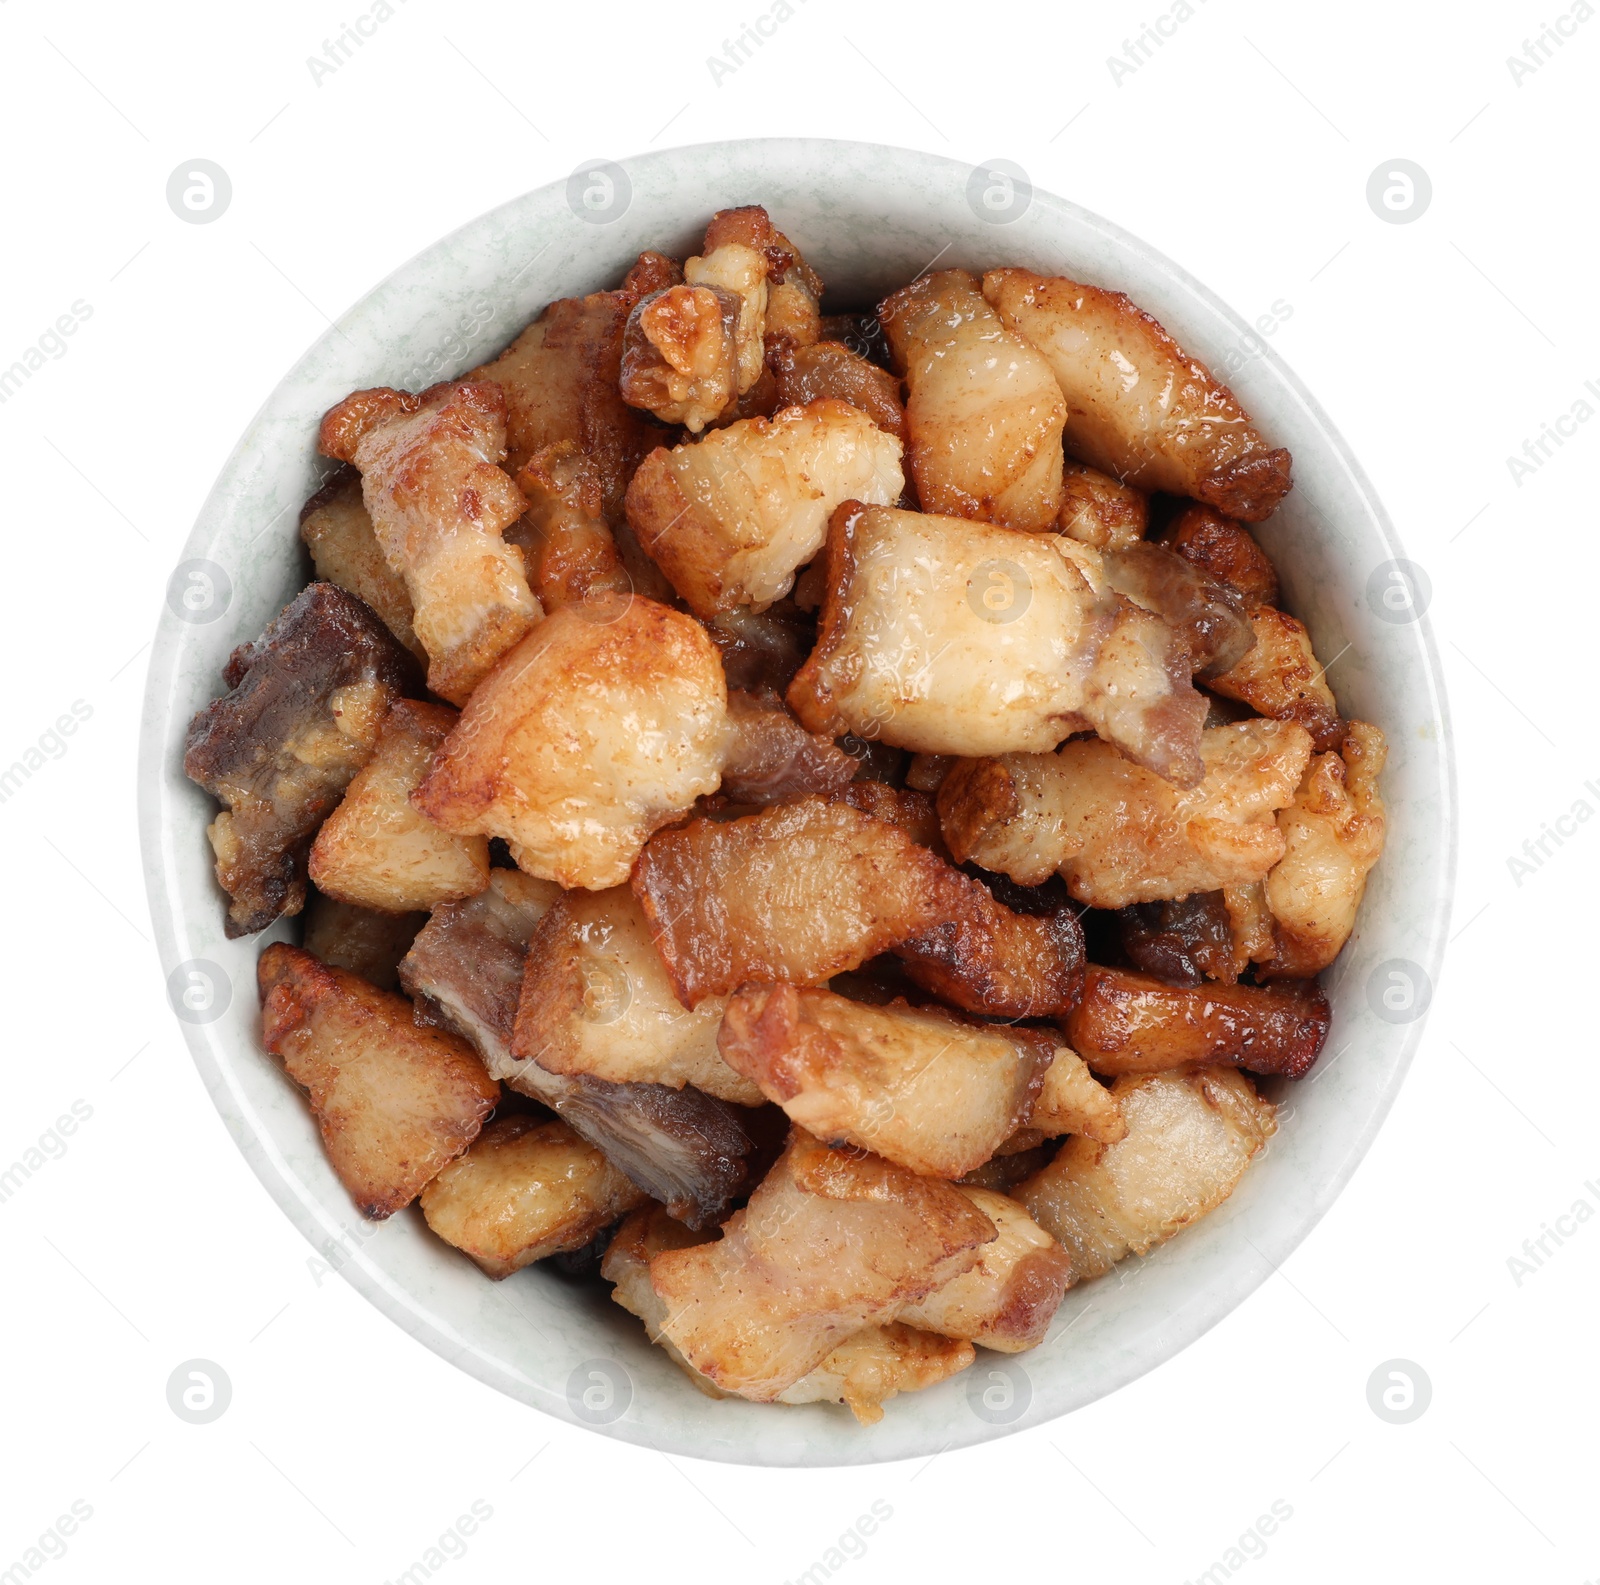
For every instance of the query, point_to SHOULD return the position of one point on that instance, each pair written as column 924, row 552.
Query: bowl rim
column 312, row 1219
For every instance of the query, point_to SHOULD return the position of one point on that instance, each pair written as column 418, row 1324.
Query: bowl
column 870, row 218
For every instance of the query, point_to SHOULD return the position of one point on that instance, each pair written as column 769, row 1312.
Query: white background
column 1242, row 149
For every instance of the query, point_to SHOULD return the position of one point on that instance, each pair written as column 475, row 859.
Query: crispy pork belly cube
column 983, row 414
column 734, row 258
column 337, row 529
column 1225, row 549
column 863, row 1372
column 568, row 551
column 931, row 1092
column 597, row 999
column 804, row 891
column 1208, row 614
column 596, row 730
column 1333, row 833
column 375, row 850
column 1190, row 1136
column 364, row 940
column 1099, row 510
column 794, row 295
column 524, row 1190
column 680, row 357
column 301, row 717
column 831, row 1241
column 1072, row 1101
column 560, row 381
column 465, row 971
column 1280, row 677
column 1135, row 1023
column 949, row 637
column 439, row 502
column 771, row 759
column 395, row 1103
column 914, row 812
column 830, row 370
column 1183, row 940
column 730, row 518
column 1118, row 834
column 1138, row 406
column 1007, row 1300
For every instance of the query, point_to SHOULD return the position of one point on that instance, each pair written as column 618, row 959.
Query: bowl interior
column 869, row 218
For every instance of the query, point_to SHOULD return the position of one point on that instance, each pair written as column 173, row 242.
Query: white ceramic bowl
column 869, row 218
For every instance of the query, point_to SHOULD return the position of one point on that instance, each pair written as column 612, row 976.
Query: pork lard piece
column 984, row 413
column 1138, row 406
column 831, row 369
column 1008, row 1298
column 1134, row 1023
column 1099, row 510
column 394, row 1103
column 1118, row 834
column 931, row 1092
column 730, row 518
column 1209, row 614
column 525, row 1190
column 1333, row 834
column 863, row 1372
column 949, row 637
column 1190, row 1136
column 375, row 850
column 602, row 725
column 770, row 758
column 1226, row 550
column 597, row 999
column 680, row 358
column 567, row 547
column 306, row 702
column 439, row 503
column 466, row 969
column 560, row 382
column 831, row 1241
column 1281, row 677
column 807, row 890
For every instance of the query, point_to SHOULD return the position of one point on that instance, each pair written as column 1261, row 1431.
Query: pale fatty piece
column 560, row 383
column 1119, row 834
column 375, row 850
column 394, row 1102
column 1191, row 1134
column 301, row 717
column 465, row 971
column 831, row 1241
column 596, row 999
column 1139, row 407
column 680, row 358
column 1333, row 834
column 1135, row 1023
column 439, row 501
column 984, row 414
column 525, row 1190
column 804, row 891
column 730, row 518
column 932, row 1092
column 605, row 723
column 1008, row 1298
column 1072, row 1101
column 337, row 529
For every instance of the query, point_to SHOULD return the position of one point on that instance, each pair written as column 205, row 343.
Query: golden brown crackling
column 831, row 369
column 1225, row 549
column 1134, row 1023
column 394, row 1102
column 1140, row 408
column 568, row 550
column 1099, row 510
column 1281, row 677
column 651, row 272
column 680, row 355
